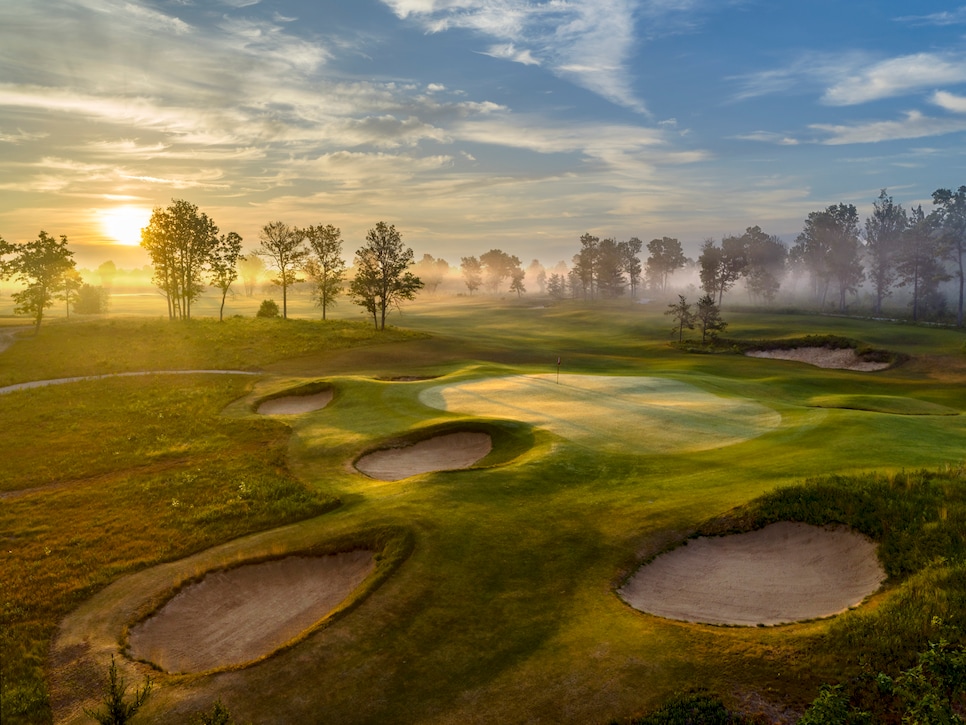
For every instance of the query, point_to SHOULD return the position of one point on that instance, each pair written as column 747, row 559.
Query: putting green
column 613, row 414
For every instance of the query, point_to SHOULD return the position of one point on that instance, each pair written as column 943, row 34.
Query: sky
column 472, row 124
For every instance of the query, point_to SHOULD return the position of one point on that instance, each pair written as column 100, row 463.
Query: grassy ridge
column 505, row 609
column 102, row 346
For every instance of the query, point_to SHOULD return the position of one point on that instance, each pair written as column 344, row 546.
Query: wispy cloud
column 946, row 17
column 854, row 77
column 589, row 42
column 896, row 77
column 914, row 124
column 779, row 139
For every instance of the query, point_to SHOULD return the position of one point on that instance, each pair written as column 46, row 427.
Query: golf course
column 452, row 520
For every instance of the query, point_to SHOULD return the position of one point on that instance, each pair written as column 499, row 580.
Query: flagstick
column 558, row 370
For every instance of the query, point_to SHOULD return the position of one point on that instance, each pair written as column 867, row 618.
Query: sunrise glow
column 123, row 224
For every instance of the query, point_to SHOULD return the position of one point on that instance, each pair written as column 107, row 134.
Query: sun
column 123, row 224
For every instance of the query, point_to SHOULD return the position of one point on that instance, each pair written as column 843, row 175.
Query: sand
column 296, row 404
column 447, row 452
column 823, row 357
column 786, row 572
column 239, row 615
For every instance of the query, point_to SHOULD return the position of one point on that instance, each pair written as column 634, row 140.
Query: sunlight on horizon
column 123, row 224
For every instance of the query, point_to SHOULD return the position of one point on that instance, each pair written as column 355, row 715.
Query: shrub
column 268, row 308
column 91, row 300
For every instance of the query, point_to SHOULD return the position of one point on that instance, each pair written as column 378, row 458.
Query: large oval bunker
column 235, row 616
column 785, row 572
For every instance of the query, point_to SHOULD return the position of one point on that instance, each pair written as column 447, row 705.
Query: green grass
column 504, row 608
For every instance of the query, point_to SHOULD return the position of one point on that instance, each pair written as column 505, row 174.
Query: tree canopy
column 42, row 266
column 180, row 241
column 382, row 277
column 284, row 248
column 324, row 265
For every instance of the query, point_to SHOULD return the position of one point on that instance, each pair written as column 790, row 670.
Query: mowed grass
column 644, row 415
column 505, row 610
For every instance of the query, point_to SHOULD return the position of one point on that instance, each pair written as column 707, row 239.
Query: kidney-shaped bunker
column 235, row 616
column 785, row 572
column 445, row 452
column 296, row 404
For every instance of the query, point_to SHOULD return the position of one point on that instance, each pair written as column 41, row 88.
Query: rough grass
column 505, row 611
column 97, row 347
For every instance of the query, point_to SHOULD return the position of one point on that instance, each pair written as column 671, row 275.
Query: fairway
column 638, row 415
column 492, row 556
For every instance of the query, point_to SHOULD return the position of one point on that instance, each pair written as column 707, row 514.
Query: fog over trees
column 896, row 262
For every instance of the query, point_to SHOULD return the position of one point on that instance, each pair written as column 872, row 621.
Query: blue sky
column 471, row 125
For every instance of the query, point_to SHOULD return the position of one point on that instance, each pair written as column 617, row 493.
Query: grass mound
column 894, row 404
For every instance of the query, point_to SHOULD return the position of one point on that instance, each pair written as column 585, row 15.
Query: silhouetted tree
column 766, row 258
column 708, row 315
column 682, row 314
column 431, row 271
column 829, row 248
column 883, row 239
column 584, row 270
column 223, row 266
column 919, row 263
column 472, row 272
column 609, row 271
column 41, row 266
column 498, row 267
column 325, row 266
column 951, row 214
column 179, row 241
column 665, row 257
column 721, row 267
column 72, row 282
column 557, row 286
column 284, row 248
column 517, row 277
column 381, row 277
column 630, row 262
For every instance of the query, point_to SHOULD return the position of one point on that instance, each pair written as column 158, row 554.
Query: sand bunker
column 612, row 414
column 443, row 453
column 236, row 616
column 786, row 572
column 823, row 357
column 296, row 404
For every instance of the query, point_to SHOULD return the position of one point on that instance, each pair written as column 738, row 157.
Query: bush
column 91, row 300
column 268, row 308
column 693, row 708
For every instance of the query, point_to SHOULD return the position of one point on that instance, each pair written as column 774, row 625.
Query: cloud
column 914, row 125
column 769, row 137
column 949, row 101
column 897, row 76
column 589, row 43
column 854, row 77
column 946, row 17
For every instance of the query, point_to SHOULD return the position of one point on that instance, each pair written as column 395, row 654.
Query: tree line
column 835, row 253
column 184, row 246
column 918, row 250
